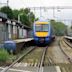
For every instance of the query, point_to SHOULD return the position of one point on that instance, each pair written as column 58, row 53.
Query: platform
column 21, row 43
column 23, row 40
column 68, row 37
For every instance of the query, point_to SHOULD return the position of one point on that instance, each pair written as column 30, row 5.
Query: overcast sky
column 36, row 3
column 63, row 14
column 32, row 3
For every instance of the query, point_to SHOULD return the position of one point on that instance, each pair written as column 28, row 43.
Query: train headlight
column 36, row 38
column 46, row 38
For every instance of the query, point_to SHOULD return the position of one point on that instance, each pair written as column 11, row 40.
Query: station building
column 12, row 29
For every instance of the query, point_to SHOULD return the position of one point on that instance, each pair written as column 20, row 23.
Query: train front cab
column 42, row 40
column 42, row 37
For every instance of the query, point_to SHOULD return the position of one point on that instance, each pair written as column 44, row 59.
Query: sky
column 63, row 14
column 17, row 4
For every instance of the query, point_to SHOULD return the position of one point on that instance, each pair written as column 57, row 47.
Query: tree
column 25, row 20
column 71, row 26
column 15, row 14
column 27, row 16
column 36, row 19
column 59, row 27
column 31, row 17
column 27, row 10
column 7, row 10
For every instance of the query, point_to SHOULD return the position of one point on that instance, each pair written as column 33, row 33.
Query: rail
column 60, row 43
column 68, row 43
column 42, row 59
column 7, row 68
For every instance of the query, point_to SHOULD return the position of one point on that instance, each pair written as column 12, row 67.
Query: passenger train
column 43, row 32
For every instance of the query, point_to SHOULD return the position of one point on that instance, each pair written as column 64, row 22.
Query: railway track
column 66, row 49
column 39, row 57
column 34, row 58
column 21, row 60
column 41, row 63
column 55, row 56
column 51, row 62
column 17, row 60
column 67, row 42
column 48, row 60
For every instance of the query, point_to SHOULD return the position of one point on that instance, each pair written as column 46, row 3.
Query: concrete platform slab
column 23, row 40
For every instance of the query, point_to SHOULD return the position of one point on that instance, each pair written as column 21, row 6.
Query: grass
column 4, row 56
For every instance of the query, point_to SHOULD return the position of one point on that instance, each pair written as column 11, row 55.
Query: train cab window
column 38, row 27
column 43, row 27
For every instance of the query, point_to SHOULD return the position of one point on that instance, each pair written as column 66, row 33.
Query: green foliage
column 59, row 27
column 15, row 14
column 27, row 10
column 26, row 18
column 36, row 19
column 21, row 11
column 31, row 17
column 7, row 10
column 4, row 56
column 71, row 27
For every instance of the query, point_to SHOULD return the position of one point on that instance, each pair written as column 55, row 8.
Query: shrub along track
column 18, row 59
column 33, row 57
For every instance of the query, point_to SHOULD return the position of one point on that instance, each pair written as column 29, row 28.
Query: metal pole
column 18, row 18
column 7, row 2
column 54, row 13
column 40, row 12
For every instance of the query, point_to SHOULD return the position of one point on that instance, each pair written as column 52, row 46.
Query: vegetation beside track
column 59, row 28
column 5, row 58
column 3, row 55
column 27, row 17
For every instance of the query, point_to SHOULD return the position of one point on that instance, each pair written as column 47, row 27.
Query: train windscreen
column 42, row 27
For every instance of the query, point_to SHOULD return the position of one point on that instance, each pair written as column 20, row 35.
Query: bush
column 58, row 27
column 4, row 56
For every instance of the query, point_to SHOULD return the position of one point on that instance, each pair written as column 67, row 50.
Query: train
column 43, row 32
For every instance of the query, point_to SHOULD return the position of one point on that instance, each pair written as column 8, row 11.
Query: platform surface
column 23, row 40
column 68, row 37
